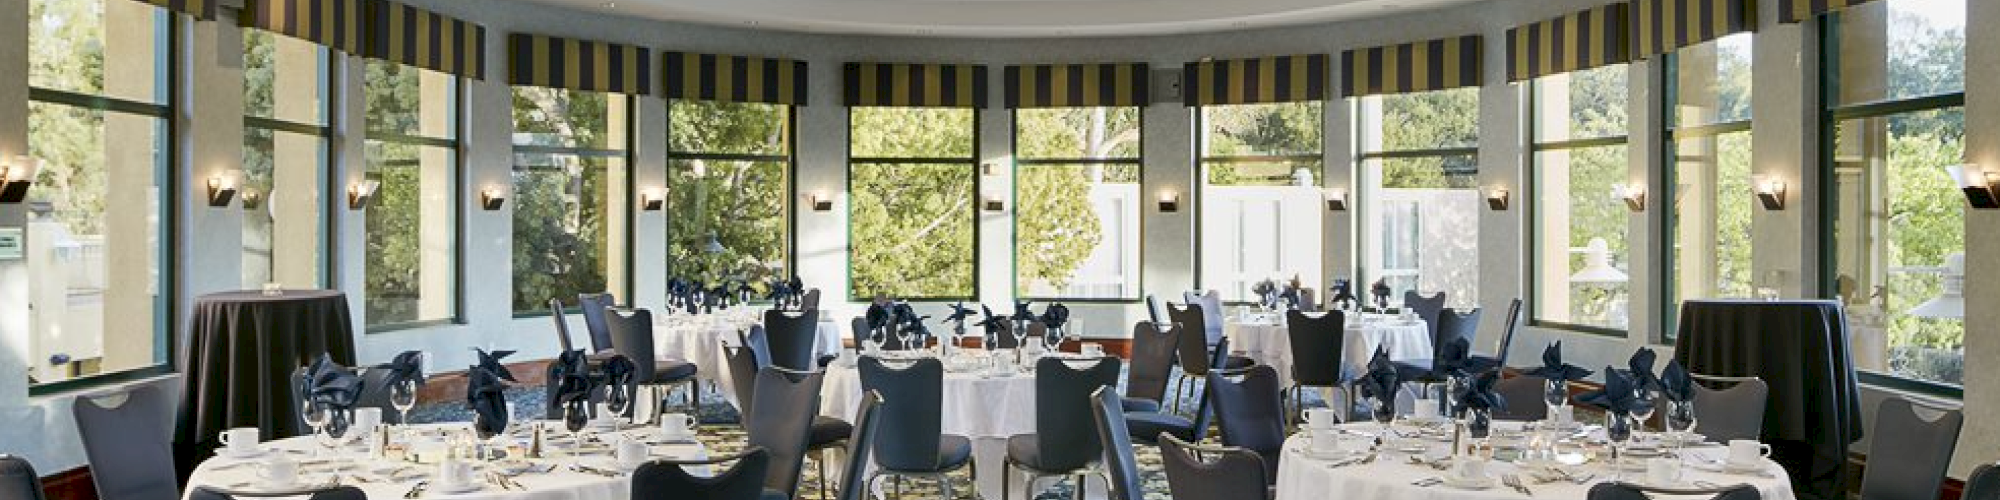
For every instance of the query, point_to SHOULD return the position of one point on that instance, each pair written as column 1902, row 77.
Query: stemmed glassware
column 1618, row 430
column 1680, row 421
column 903, row 336
column 1644, row 412
column 403, row 396
column 616, row 400
column 1556, row 394
column 316, row 416
column 1385, row 414
column 875, row 340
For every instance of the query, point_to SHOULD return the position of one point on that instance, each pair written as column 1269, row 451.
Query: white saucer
column 1329, row 455
column 237, row 455
column 1468, row 483
column 1739, row 468
column 468, row 487
column 1644, row 452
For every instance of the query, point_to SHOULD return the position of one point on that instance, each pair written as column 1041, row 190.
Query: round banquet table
column 238, row 359
column 701, row 341
column 378, row 480
column 1391, row 475
column 1266, row 340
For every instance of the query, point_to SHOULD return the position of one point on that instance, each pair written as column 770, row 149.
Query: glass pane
column 1898, row 226
column 1712, row 82
column 1074, row 133
column 93, row 243
column 1581, row 255
column 910, row 132
column 912, row 229
column 411, row 101
column 729, row 128
column 1298, row 173
column 1425, row 222
column 412, row 234
column 1260, row 221
column 1076, row 231
column 1900, row 50
column 1713, row 206
column 284, row 175
column 1430, row 120
column 1585, row 104
column 729, row 220
column 110, row 48
column 284, row 78
column 571, row 211
column 570, row 118
column 1282, row 129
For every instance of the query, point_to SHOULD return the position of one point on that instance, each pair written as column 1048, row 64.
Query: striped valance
column 417, row 37
column 200, row 9
column 887, row 84
column 711, row 77
column 1076, row 85
column 547, row 61
column 334, row 23
column 1256, row 80
column 1793, row 11
column 1579, row 41
column 1413, row 67
column 1660, row 26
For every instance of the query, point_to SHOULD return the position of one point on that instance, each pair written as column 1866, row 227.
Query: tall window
column 1076, row 203
column 729, row 187
column 571, row 195
column 285, row 136
column 1710, row 201
column 1419, row 157
column 413, row 223
column 1262, row 208
column 1580, row 278
column 100, row 208
column 1896, row 93
column 913, row 175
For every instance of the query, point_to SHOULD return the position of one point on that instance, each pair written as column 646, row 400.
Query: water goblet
column 316, row 416
column 1643, row 412
column 403, row 396
column 1384, row 413
column 1556, row 394
column 1680, row 420
column 1618, row 430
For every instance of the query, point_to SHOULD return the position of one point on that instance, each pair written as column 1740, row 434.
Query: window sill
column 1584, row 329
column 1894, row 383
column 412, row 325
column 109, row 382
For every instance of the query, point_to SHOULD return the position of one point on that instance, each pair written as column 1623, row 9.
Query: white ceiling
column 1004, row 18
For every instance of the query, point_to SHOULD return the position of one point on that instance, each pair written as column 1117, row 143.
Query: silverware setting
column 1514, row 481
column 1428, row 482
column 417, row 490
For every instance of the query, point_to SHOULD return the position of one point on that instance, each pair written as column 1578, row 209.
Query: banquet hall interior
column 999, row 249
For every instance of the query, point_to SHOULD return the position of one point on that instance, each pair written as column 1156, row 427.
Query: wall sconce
column 821, row 202
column 16, row 176
column 361, row 192
column 988, row 169
column 1634, row 196
column 995, row 204
column 652, row 200
column 492, row 198
column 1496, row 199
column 1771, row 192
column 221, row 189
column 1170, row 202
column 1982, row 189
column 252, row 200
column 1336, row 200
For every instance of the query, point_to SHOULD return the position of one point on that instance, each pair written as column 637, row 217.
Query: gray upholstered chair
column 1523, row 394
column 126, row 444
column 1324, row 336
column 1121, row 469
column 867, row 427
column 1197, row 472
column 632, row 336
column 1983, row 484
column 1910, row 451
column 1252, row 412
column 18, row 480
column 670, row 479
column 1426, row 308
column 1064, row 443
column 1499, row 358
column 1735, row 411
column 858, row 330
column 595, row 306
column 1197, row 354
column 917, row 448
column 1627, row 491
column 810, row 301
column 1209, row 305
column 1152, row 365
column 318, row 493
column 780, row 421
column 791, row 335
column 562, row 325
column 1147, row 426
column 744, row 364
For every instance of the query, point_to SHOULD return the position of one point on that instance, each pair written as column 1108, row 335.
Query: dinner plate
column 238, row 455
column 467, row 487
column 1468, row 483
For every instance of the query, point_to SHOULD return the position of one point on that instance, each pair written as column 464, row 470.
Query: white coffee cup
column 676, row 425
column 1469, row 468
column 279, row 470
column 1747, row 453
column 631, row 452
column 453, row 472
column 1426, row 408
column 365, row 420
column 1663, row 471
column 240, row 439
column 1325, row 441
column 1321, row 418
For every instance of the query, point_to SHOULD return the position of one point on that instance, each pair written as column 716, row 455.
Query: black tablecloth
column 1800, row 349
column 238, row 358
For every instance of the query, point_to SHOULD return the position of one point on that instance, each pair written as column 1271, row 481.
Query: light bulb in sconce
column 221, row 189
column 1770, row 193
column 492, row 198
column 1170, row 201
column 1336, row 199
column 821, row 202
column 1982, row 188
column 653, row 200
column 361, row 192
column 1497, row 198
column 1633, row 194
column 15, row 177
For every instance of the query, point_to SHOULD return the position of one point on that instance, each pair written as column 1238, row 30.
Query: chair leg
column 1006, row 466
column 823, row 491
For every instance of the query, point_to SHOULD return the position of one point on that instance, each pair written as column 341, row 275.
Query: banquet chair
column 779, row 419
column 1064, row 442
column 1910, row 450
column 1426, row 308
column 125, row 444
column 1735, row 412
column 918, row 448
column 313, row 493
column 1523, row 394
column 1120, row 467
column 632, row 336
column 1983, row 483
column 562, row 325
column 1209, row 304
column 1196, row 472
column 1251, row 411
column 858, row 331
column 867, row 426
column 810, row 301
column 1499, row 359
column 1322, row 338
column 670, row 478
column 1152, row 366
column 791, row 336
column 1628, row 491
column 594, row 307
column 1450, row 325
column 18, row 480
column 826, row 433
column 1147, row 426
column 1193, row 353
column 1153, row 310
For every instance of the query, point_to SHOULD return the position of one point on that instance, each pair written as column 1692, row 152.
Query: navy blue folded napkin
column 408, row 366
column 1619, row 395
column 332, row 385
column 1479, row 394
column 486, row 395
column 1675, row 383
column 1381, row 380
column 491, row 362
column 1641, row 369
column 1553, row 368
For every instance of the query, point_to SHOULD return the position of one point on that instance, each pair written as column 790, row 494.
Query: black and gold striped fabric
column 893, row 84
column 1583, row 40
column 417, row 37
column 1077, row 85
column 1445, row 63
column 336, row 24
column 1660, row 26
column 1256, row 80
column 1794, row 11
column 200, row 9
column 712, row 77
column 547, row 61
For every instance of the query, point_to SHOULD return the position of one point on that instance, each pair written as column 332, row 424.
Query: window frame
column 1532, row 126
column 459, row 152
column 330, row 79
column 974, row 161
column 1671, row 132
column 624, row 297
column 1202, row 160
column 790, row 159
column 1364, row 158
column 1014, row 199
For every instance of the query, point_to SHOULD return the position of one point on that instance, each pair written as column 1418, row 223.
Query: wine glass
column 616, row 400
column 875, row 340
column 1020, row 336
column 1385, row 414
column 903, row 339
column 1556, row 394
column 403, row 396
column 1680, row 421
column 575, row 417
column 1618, row 429
column 1644, row 412
column 316, row 415
column 333, row 429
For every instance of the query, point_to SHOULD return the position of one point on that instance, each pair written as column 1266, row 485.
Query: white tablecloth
column 702, row 342
column 1389, row 477
column 1269, row 343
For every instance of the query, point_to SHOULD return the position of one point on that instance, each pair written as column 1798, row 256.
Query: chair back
column 1911, row 452
column 759, row 344
column 18, row 480
column 785, row 402
column 319, row 493
column 1426, row 308
column 1154, row 311
column 632, row 336
column 1210, row 304
column 743, row 367
column 1229, row 474
column 670, row 479
column 917, row 387
column 1152, row 360
column 1322, row 337
column 853, row 482
column 1251, row 408
column 810, row 301
column 1734, row 412
column 1454, row 325
column 126, row 445
column 1507, row 335
column 791, row 335
column 858, row 329
column 595, row 306
column 562, row 325
column 1983, row 484
column 1109, row 411
column 1062, row 410
column 1192, row 350
column 1523, row 394
column 1628, row 491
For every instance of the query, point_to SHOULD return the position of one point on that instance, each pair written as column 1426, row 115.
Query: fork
column 418, row 490
column 1513, row 481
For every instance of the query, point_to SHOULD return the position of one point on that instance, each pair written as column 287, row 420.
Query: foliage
column 911, row 225
column 740, row 205
column 561, row 199
column 1291, row 134
column 1056, row 228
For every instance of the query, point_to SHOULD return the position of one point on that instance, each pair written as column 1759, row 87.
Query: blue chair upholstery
column 1324, row 334
column 784, row 403
column 1121, row 468
column 1910, row 451
column 661, row 479
column 867, row 426
column 917, row 448
column 127, row 445
column 791, row 337
column 1064, row 443
column 18, row 480
column 1226, row 474
column 1499, row 359
column 1252, row 412
column 1152, row 365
